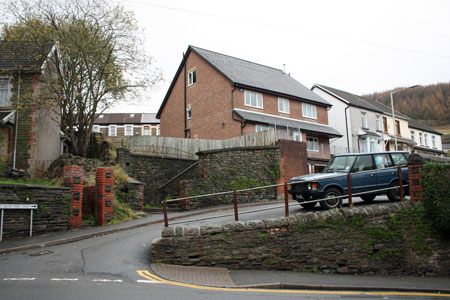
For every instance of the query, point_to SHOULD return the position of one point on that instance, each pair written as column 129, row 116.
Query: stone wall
column 389, row 239
column 153, row 172
column 52, row 213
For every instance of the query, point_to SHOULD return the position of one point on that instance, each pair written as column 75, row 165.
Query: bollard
column 236, row 217
column 400, row 182
column 166, row 221
column 349, row 186
column 286, row 200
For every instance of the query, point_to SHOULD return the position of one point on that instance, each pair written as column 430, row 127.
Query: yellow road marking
column 146, row 274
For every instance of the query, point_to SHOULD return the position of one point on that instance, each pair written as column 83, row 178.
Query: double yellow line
column 147, row 275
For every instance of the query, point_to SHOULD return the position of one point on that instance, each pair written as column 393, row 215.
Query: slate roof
column 352, row 99
column 283, row 121
column 248, row 74
column 125, row 118
column 26, row 56
column 255, row 75
column 388, row 110
column 417, row 125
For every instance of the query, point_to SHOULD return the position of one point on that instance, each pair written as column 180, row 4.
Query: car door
column 363, row 175
column 385, row 170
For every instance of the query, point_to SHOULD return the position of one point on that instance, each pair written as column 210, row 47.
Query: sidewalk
column 221, row 277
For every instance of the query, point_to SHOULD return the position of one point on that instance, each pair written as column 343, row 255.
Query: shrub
column 436, row 190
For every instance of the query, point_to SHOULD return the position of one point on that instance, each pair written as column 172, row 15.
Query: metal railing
column 236, row 213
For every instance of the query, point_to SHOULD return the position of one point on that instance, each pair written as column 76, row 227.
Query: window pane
column 363, row 163
column 382, row 161
column 399, row 159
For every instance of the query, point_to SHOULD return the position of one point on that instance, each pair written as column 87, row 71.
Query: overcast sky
column 357, row 46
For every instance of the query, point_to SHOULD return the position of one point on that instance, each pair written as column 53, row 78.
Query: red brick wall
column 104, row 181
column 415, row 186
column 293, row 159
column 73, row 178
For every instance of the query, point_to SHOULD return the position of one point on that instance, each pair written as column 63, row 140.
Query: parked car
column 369, row 172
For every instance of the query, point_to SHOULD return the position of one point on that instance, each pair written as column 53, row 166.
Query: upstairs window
column 309, row 111
column 397, row 127
column 128, row 129
column 413, row 136
column 192, row 77
column 378, row 123
column 433, row 141
column 112, row 130
column 283, row 105
column 364, row 119
column 425, row 137
column 385, row 126
column 96, row 128
column 147, row 130
column 420, row 138
column 253, row 99
column 4, row 93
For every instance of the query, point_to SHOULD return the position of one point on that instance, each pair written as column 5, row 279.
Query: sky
column 360, row 46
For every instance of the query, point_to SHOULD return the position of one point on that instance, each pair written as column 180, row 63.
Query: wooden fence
column 187, row 148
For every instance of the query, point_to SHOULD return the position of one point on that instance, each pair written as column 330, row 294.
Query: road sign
column 17, row 206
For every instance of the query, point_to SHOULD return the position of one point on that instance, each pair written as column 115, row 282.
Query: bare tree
column 100, row 58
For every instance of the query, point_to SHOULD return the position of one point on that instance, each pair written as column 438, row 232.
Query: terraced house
column 216, row 96
column 29, row 134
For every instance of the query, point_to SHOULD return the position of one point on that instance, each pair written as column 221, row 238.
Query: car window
column 382, row 161
column 363, row 163
column 340, row 164
column 399, row 159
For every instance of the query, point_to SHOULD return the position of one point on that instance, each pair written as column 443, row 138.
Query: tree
column 99, row 58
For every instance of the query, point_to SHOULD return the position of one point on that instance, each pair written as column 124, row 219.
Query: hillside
column 429, row 104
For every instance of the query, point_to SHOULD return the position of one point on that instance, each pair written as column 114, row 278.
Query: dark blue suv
column 369, row 173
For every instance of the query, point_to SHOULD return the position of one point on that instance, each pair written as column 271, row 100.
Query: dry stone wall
column 386, row 239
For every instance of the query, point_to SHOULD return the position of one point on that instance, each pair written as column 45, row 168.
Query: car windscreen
column 341, row 164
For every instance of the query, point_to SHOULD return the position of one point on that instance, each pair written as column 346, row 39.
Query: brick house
column 117, row 127
column 216, row 96
column 29, row 135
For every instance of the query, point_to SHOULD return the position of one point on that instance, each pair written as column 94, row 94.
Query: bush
column 436, row 193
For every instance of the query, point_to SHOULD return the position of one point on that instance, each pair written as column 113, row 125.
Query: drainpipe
column 346, row 129
column 243, row 123
column 17, row 121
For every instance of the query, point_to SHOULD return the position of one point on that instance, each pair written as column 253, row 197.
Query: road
column 106, row 267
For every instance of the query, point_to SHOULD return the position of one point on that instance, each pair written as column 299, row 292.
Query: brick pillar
column 184, row 192
column 104, row 181
column 415, row 185
column 73, row 178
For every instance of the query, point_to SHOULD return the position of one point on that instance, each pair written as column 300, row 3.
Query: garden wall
column 389, row 239
column 52, row 213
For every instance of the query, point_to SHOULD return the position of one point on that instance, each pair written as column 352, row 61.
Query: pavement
column 221, row 277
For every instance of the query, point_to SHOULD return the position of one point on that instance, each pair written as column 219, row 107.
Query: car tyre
column 368, row 197
column 394, row 194
column 332, row 203
column 308, row 205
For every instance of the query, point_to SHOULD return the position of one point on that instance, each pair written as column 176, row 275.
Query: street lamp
column 393, row 113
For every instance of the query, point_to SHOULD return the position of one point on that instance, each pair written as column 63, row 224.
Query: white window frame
column 425, row 137
column 364, row 120
column 127, row 129
column 258, row 99
column 192, row 77
column 283, row 105
column 378, row 120
column 158, row 130
column 413, row 135
column 421, row 138
column 433, row 141
column 149, row 128
column 189, row 112
column 7, row 88
column 314, row 142
column 309, row 111
column 96, row 128
column 112, row 130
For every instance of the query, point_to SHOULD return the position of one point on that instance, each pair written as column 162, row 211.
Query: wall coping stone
column 251, row 148
column 29, row 186
column 299, row 218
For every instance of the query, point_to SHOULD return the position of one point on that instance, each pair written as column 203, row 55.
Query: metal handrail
column 349, row 195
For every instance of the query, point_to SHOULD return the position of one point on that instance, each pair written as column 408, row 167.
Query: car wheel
column 394, row 194
column 332, row 203
column 368, row 197
column 308, row 205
